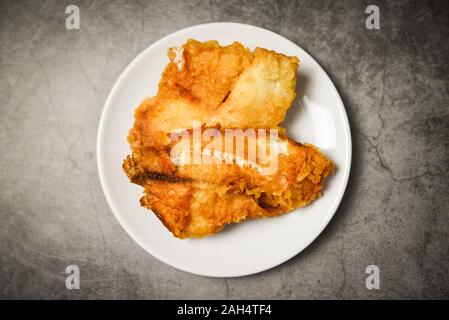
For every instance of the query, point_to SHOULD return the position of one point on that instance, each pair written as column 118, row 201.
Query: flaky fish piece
column 261, row 95
column 227, row 86
column 206, row 85
column 194, row 200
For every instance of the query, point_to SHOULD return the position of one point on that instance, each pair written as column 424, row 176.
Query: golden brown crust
column 208, row 73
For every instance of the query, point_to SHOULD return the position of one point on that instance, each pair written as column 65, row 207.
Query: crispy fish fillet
column 220, row 87
column 199, row 199
column 227, row 86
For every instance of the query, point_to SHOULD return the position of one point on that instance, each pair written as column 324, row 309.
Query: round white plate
column 317, row 116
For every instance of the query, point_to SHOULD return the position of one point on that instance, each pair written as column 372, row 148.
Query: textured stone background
column 394, row 83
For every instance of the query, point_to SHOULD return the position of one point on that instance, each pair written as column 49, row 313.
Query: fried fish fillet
column 212, row 86
column 227, row 86
column 199, row 199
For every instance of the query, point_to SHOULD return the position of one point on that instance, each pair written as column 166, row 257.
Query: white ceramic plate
column 317, row 116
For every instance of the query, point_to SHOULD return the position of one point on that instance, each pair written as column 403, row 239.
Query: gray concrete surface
column 394, row 83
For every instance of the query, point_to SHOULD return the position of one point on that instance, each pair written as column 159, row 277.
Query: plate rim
column 125, row 225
